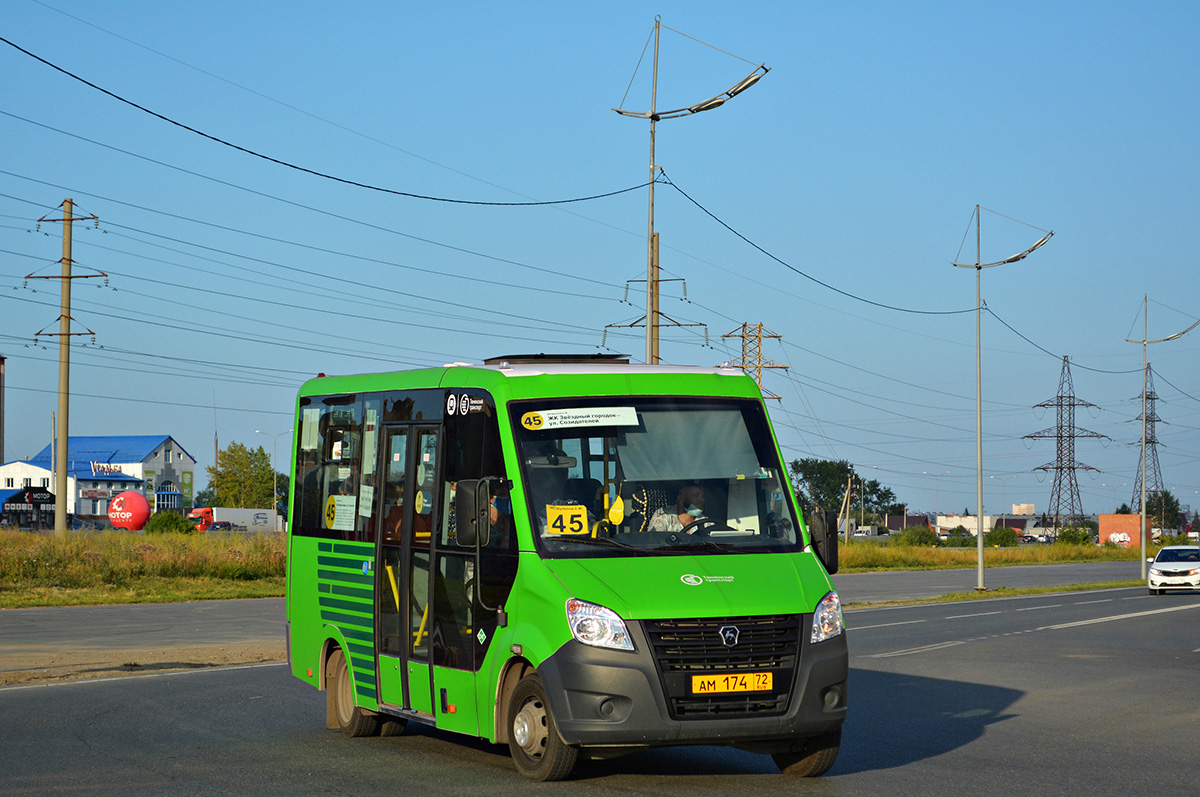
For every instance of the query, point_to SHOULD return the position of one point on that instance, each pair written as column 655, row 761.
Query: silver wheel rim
column 529, row 728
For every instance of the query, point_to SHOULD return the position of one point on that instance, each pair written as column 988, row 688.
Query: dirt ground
column 19, row 666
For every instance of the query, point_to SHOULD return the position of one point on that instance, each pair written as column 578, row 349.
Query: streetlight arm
column 706, row 105
column 1015, row 258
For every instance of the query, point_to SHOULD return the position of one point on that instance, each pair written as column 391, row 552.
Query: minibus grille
column 686, row 648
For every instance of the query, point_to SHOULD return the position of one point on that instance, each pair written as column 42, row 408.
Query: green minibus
column 571, row 555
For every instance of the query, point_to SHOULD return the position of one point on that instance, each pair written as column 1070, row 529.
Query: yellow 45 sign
column 532, row 420
column 566, row 519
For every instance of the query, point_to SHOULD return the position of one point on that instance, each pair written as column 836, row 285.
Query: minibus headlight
column 827, row 619
column 597, row 626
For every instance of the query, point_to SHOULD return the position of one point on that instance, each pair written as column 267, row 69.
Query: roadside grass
column 93, row 568
column 859, row 556
column 80, row 568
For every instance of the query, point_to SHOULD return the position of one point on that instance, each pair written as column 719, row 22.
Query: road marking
column 1135, row 598
column 1085, row 603
column 1035, row 608
column 922, row 649
column 960, row 616
column 882, row 625
column 1117, row 617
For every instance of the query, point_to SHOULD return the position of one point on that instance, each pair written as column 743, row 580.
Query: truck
column 238, row 519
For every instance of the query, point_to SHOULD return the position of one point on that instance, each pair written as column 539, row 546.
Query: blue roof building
column 99, row 467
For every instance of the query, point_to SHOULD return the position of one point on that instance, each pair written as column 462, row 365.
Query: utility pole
column 1147, row 385
column 752, row 361
column 62, row 461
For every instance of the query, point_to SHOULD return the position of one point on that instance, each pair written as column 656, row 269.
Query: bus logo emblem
column 691, row 580
column 729, row 635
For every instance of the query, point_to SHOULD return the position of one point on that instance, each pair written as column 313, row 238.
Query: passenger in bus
column 689, row 507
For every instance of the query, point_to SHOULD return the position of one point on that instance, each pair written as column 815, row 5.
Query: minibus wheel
column 352, row 720
column 537, row 750
column 813, row 759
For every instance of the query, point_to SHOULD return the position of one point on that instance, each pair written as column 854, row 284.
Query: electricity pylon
column 752, row 361
column 1065, row 505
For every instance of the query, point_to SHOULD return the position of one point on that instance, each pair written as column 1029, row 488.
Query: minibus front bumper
column 611, row 698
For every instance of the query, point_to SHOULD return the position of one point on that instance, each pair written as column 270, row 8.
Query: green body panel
column 459, row 686
column 656, row 587
column 391, row 690
column 333, row 593
column 418, row 687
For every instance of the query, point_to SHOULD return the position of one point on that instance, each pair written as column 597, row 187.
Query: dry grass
column 38, row 569
column 860, row 556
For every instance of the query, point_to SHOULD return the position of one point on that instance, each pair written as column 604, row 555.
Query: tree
column 205, row 497
column 242, row 478
column 1124, row 510
column 822, row 483
column 1165, row 510
column 283, row 483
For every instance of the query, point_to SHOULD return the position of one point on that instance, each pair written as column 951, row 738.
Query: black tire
column 537, row 750
column 352, row 720
column 813, row 759
column 391, row 726
column 1153, row 591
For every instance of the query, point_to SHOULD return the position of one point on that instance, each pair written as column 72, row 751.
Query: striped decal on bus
column 345, row 593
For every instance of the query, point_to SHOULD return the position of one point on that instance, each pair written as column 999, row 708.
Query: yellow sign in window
column 734, row 682
column 566, row 519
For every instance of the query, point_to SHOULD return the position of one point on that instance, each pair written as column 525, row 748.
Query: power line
column 305, row 170
column 302, row 206
column 789, row 266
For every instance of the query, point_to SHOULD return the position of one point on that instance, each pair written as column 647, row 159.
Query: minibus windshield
column 636, row 476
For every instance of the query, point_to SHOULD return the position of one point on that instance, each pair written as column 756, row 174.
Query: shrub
column 1001, row 536
column 915, row 535
column 1074, row 536
column 960, row 538
column 166, row 522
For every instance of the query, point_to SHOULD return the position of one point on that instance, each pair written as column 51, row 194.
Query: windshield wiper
column 604, row 541
column 700, row 545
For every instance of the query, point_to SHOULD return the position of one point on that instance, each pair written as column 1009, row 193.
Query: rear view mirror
column 472, row 498
column 822, row 528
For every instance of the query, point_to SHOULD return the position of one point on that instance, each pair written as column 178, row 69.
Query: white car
column 1175, row 567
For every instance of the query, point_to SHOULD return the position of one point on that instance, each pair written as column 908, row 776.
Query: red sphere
column 129, row 510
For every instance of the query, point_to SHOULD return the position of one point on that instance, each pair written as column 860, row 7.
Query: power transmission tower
column 1154, row 480
column 752, row 361
column 1065, row 505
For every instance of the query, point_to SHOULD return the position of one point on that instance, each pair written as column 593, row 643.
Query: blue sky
column 858, row 160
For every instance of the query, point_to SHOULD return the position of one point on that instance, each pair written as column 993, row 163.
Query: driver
column 689, row 507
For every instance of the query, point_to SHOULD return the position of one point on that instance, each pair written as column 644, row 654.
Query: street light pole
column 979, row 266
column 1145, row 378
column 652, row 314
column 1004, row 494
column 274, row 471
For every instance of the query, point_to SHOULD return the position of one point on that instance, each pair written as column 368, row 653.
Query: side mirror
column 472, row 498
column 822, row 528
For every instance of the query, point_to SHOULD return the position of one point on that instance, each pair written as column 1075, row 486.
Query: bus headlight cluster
column 827, row 619
column 597, row 626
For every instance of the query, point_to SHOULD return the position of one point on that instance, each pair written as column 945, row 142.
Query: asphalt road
column 1089, row 693
column 899, row 585
column 222, row 622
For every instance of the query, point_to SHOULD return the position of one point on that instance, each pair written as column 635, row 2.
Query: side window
column 329, row 468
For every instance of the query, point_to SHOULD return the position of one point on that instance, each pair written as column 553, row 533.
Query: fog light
column 833, row 696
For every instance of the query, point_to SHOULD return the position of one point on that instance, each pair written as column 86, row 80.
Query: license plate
column 739, row 682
